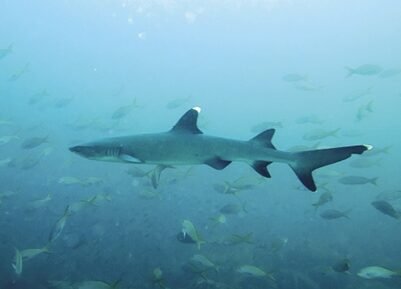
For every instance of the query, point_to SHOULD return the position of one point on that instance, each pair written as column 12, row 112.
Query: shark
column 186, row 144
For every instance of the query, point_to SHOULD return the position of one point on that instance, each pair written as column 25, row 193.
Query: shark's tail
column 307, row 161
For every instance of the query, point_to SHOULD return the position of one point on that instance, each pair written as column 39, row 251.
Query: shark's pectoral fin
column 155, row 175
column 129, row 159
column 217, row 163
column 261, row 168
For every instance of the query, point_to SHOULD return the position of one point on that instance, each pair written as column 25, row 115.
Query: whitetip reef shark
column 185, row 144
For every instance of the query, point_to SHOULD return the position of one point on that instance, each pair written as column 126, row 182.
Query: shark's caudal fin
column 307, row 161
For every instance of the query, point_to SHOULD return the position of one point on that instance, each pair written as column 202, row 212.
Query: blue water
column 67, row 67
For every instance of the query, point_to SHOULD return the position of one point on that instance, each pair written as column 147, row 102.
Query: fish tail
column 373, row 181
column 307, row 161
column 350, row 71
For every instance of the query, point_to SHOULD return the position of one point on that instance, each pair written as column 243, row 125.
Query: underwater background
column 322, row 73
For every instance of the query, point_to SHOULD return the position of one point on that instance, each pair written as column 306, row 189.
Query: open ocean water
column 321, row 73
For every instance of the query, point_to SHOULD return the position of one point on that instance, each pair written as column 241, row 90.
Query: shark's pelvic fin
column 188, row 122
column 265, row 138
column 306, row 162
column 217, row 163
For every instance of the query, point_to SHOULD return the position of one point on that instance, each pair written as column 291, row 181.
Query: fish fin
column 265, row 138
column 217, row 163
column 261, row 168
column 307, row 161
column 350, row 71
column 155, row 174
column 373, row 181
column 129, row 159
column 188, row 122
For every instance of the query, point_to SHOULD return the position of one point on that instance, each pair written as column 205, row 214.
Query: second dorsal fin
column 188, row 122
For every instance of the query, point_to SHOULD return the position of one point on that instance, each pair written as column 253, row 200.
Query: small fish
column 17, row 75
column 6, row 51
column 309, row 119
column 220, row 219
column 41, row 202
column 364, row 110
column 386, row 208
column 69, row 180
column 59, row 226
column 364, row 70
column 389, row 196
column 390, row 73
column 5, row 162
column 278, row 244
column 189, row 228
column 78, row 206
column 357, row 94
column 158, row 277
column 38, row 97
column 7, row 138
column 257, row 128
column 341, row 266
column 318, row 134
column 237, row 239
column 203, row 262
column 254, row 271
column 90, row 181
column 294, row 77
column 33, row 142
column 374, row 272
column 63, row 102
column 324, row 198
column 305, row 86
column 18, row 262
column 332, row 214
column 123, row 111
column 29, row 162
column 232, row 209
column 30, row 253
column 357, row 180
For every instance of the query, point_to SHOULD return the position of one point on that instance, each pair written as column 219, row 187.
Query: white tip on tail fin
column 197, row 108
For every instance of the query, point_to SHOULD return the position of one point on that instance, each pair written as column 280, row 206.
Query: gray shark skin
column 185, row 144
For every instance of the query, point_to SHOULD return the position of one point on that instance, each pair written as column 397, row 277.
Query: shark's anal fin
column 261, row 168
column 217, row 163
column 188, row 122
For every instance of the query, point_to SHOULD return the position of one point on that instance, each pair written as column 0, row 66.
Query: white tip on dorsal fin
column 197, row 108
column 368, row 147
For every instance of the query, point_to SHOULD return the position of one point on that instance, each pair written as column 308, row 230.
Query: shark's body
column 185, row 144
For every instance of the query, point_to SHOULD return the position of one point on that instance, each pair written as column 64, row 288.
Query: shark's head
column 110, row 150
column 98, row 151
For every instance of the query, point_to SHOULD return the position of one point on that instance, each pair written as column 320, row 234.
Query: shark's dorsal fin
column 265, row 138
column 188, row 122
